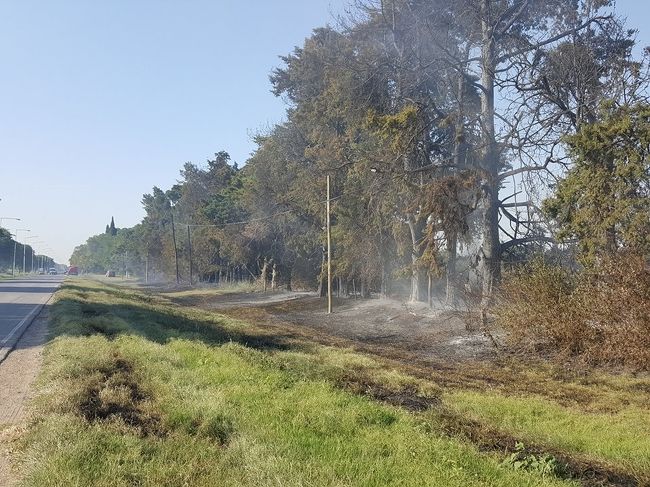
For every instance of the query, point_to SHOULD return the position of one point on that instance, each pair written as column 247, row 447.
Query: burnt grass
column 117, row 395
column 487, row 439
column 502, row 373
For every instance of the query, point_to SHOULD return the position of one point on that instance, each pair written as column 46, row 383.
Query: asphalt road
column 20, row 302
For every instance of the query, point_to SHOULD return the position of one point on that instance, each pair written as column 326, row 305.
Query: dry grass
column 600, row 315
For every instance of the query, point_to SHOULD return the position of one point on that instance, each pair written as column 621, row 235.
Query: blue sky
column 99, row 101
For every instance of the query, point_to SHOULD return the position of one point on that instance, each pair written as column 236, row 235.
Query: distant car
column 52, row 271
column 41, row 271
column 73, row 271
column 110, row 273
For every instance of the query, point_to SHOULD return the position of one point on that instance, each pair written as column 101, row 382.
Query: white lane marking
column 17, row 327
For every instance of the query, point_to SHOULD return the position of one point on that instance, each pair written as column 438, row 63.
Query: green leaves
column 604, row 201
column 544, row 464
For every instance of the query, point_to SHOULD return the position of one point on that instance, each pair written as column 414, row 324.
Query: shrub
column 601, row 314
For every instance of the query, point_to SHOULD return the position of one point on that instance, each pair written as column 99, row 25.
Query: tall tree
column 604, row 201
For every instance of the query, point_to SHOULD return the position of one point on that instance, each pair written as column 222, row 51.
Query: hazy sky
column 99, row 101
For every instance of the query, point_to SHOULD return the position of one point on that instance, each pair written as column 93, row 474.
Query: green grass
column 621, row 438
column 231, row 418
column 136, row 390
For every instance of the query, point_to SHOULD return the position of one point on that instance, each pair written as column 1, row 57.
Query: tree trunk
column 452, row 245
column 274, row 276
column 263, row 277
column 460, row 160
column 610, row 232
column 415, row 255
column 365, row 290
column 490, row 258
column 385, row 273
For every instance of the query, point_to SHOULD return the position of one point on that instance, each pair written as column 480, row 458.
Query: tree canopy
column 440, row 124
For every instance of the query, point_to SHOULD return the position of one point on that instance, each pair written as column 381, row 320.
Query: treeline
column 9, row 247
column 443, row 125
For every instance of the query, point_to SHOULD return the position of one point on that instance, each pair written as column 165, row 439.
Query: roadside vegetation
column 7, row 247
column 484, row 159
column 600, row 315
column 486, row 155
column 139, row 390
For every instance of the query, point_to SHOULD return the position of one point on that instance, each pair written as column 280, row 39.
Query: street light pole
column 33, row 252
column 7, row 218
column 178, row 277
column 13, row 267
column 189, row 243
column 25, row 250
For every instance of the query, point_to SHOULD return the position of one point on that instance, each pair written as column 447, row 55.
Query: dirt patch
column 116, row 396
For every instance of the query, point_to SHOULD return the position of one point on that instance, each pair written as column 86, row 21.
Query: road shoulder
column 17, row 375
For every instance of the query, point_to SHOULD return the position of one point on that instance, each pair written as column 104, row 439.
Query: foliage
column 545, row 465
column 423, row 114
column 604, row 201
column 601, row 314
column 7, row 247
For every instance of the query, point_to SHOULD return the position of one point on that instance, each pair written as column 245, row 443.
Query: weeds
column 601, row 315
column 545, row 465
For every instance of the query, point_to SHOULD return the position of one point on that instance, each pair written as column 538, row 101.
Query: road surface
column 20, row 302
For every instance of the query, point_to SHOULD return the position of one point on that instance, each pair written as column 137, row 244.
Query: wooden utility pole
column 178, row 277
column 189, row 243
column 329, row 251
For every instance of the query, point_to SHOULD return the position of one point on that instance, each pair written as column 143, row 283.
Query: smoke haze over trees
column 443, row 125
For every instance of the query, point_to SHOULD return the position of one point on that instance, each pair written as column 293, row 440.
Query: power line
column 243, row 222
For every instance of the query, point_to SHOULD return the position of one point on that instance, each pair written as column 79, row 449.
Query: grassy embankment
column 139, row 391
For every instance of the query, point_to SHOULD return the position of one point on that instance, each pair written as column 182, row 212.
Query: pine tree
column 604, row 201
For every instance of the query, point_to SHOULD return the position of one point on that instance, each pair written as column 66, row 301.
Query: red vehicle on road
column 72, row 271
